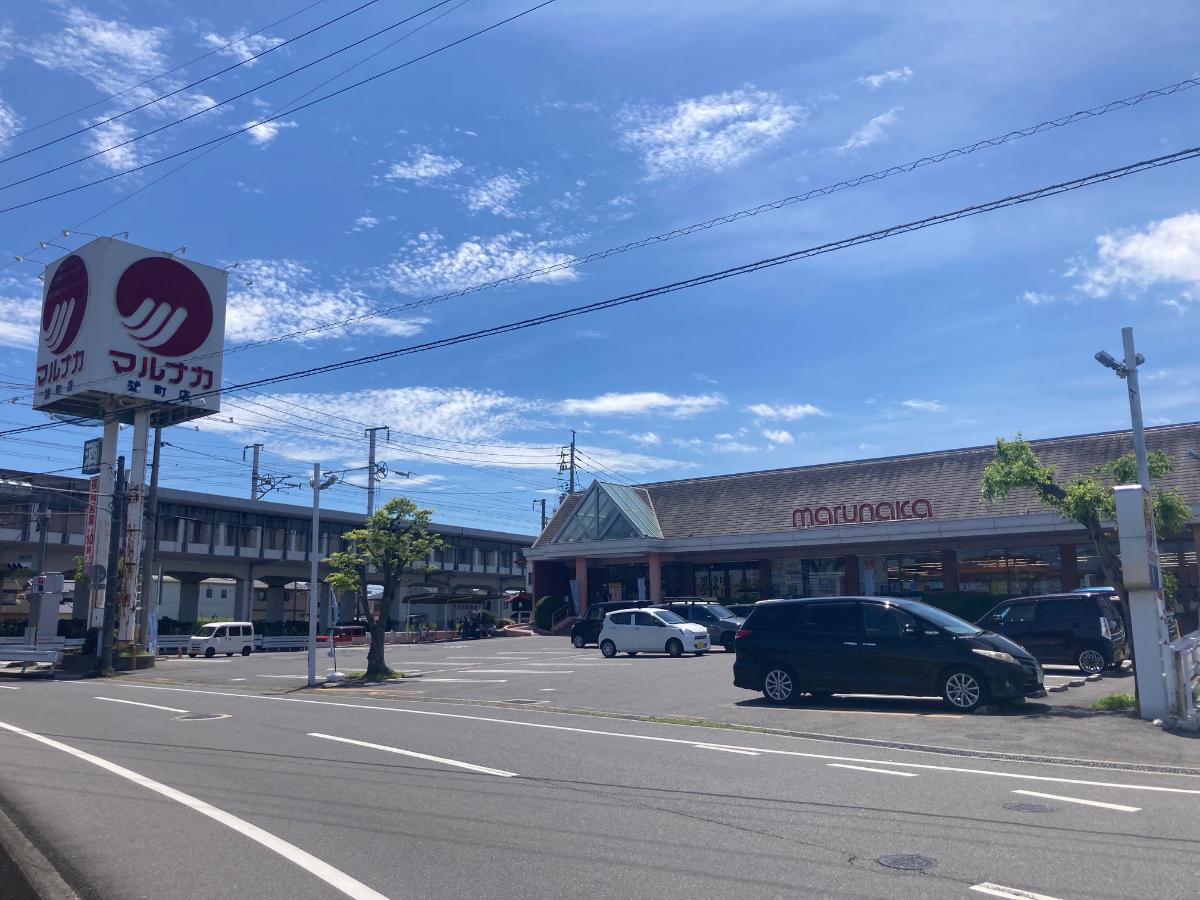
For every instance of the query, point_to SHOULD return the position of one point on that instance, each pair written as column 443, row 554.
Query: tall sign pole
column 135, row 512
column 105, row 505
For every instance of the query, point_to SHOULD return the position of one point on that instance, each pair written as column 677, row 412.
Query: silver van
column 222, row 637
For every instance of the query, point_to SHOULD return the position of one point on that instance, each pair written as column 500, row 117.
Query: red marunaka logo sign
column 861, row 513
column 164, row 306
column 66, row 302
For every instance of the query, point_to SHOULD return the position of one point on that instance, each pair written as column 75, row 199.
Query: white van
column 222, row 637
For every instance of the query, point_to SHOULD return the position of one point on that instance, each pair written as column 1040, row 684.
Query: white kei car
column 635, row 631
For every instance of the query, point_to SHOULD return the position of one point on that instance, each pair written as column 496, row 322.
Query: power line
column 260, row 30
column 188, row 87
column 684, row 284
column 269, row 119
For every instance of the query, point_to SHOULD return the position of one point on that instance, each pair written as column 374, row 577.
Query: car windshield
column 719, row 611
column 670, row 618
column 207, row 631
column 947, row 622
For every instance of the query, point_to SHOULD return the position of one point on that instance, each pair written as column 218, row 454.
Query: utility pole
column 535, row 505
column 151, row 552
column 566, row 463
column 371, row 473
column 42, row 518
column 255, row 481
column 571, row 484
column 105, row 646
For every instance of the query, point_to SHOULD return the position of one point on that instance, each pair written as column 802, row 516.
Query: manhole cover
column 1027, row 807
column 908, row 862
column 201, row 717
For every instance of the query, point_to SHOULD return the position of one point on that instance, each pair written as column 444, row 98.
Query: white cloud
column 1033, row 298
column 20, row 313
column 873, row 132
column 422, row 167
column 733, row 447
column 363, row 223
column 648, row 439
column 118, row 159
column 427, row 266
column 682, row 406
column 496, row 195
column 875, row 82
column 265, row 132
column 778, row 437
column 708, row 134
column 923, row 405
column 1165, row 254
column 9, row 122
column 284, row 296
column 243, row 50
column 789, row 412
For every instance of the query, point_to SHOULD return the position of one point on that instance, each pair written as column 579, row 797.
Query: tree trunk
column 1110, row 562
column 377, row 666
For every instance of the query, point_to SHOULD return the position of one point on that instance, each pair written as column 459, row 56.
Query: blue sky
column 589, row 125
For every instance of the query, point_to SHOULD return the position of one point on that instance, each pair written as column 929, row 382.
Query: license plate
column 700, row 645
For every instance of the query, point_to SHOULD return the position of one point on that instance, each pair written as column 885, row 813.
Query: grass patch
column 1114, row 702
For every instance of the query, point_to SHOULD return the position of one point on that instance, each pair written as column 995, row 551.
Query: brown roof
column 756, row 502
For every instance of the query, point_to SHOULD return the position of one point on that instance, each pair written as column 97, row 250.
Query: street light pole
column 312, row 576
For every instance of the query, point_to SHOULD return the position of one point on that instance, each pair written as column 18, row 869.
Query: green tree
column 1087, row 499
column 395, row 541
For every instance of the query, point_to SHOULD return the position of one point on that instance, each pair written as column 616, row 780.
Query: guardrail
column 1185, row 673
column 282, row 642
column 28, row 655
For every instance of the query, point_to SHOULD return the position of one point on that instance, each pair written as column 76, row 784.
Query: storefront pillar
column 581, row 583
column 949, row 570
column 654, row 565
column 1070, row 571
column 850, row 567
column 764, row 579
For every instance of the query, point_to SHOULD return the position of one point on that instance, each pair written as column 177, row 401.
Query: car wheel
column 245, row 651
column 209, row 652
column 577, row 641
column 779, row 686
column 609, row 649
column 1091, row 660
column 962, row 689
column 675, row 647
column 727, row 642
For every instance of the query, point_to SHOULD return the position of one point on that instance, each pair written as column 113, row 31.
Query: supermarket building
column 904, row 525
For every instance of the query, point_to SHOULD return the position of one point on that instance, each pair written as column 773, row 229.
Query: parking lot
column 548, row 673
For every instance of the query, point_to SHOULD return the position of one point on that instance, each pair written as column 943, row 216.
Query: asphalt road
column 332, row 793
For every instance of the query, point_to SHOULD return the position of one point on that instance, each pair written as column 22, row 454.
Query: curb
column 27, row 874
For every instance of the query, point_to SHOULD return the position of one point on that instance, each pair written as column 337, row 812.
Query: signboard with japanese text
column 124, row 327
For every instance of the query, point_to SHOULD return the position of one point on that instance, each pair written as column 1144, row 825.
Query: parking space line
column 1117, row 806
column 727, row 749
column 518, row 672
column 999, row 890
column 335, row 878
column 464, row 680
column 148, row 705
column 483, row 770
column 520, row 723
column 869, row 769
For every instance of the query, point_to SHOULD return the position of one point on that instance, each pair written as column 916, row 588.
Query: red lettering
column 905, row 512
column 916, row 508
column 862, row 513
column 823, row 515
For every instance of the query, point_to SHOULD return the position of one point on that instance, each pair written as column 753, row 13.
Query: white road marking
column 305, row 677
column 727, row 749
column 333, row 877
column 664, row 740
column 9, row 687
column 483, row 770
column 547, row 689
column 999, row 890
column 148, row 705
column 517, row 672
column 237, row 679
column 869, row 769
column 1117, row 806
column 465, row 680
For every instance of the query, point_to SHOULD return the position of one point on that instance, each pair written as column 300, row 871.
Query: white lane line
column 148, row 705
column 471, row 767
column 999, row 890
column 283, row 676
column 663, row 740
column 869, row 769
column 237, row 679
column 1117, row 806
column 518, row 672
column 9, row 687
column 727, row 749
column 464, row 680
column 333, row 877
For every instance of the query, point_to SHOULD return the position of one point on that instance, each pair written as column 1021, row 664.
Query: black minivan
column 1085, row 630
column 877, row 645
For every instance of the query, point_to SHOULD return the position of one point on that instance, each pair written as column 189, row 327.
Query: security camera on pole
column 128, row 335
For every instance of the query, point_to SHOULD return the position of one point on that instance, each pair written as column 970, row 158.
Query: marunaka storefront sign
column 862, row 513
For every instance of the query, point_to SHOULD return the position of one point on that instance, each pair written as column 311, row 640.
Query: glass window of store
column 913, row 574
column 728, row 582
column 1012, row 572
column 823, row 577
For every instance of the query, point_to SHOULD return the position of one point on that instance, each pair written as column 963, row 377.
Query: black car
column 586, row 629
column 740, row 609
column 877, row 645
column 1086, row 630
